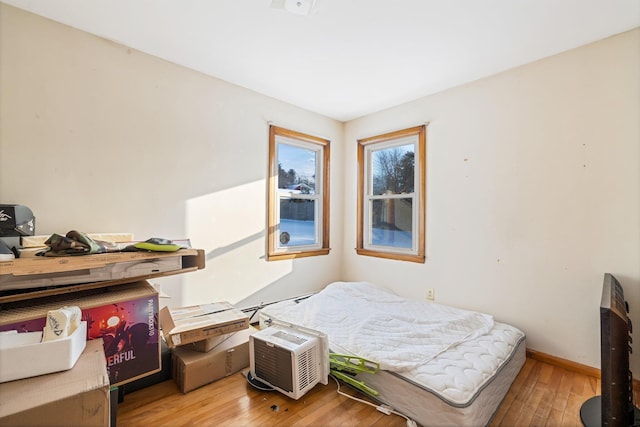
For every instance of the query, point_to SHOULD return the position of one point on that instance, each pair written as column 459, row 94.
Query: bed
column 440, row 366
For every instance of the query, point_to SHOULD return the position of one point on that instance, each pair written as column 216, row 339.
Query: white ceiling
column 347, row 58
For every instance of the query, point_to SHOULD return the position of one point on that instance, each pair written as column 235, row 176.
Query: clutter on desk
column 124, row 317
column 77, row 397
column 78, row 243
column 62, row 322
column 16, row 221
column 56, row 348
column 18, row 239
column 156, row 244
column 6, row 253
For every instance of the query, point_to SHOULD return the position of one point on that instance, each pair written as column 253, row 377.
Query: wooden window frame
column 364, row 145
column 322, row 187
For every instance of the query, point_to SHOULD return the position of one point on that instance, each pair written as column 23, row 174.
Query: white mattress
column 457, row 373
column 462, row 384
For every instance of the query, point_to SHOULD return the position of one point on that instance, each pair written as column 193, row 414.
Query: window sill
column 420, row 258
column 292, row 255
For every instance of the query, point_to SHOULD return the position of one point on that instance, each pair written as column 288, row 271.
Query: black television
column 614, row 407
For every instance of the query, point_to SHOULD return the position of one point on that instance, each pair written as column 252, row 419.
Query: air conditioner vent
column 290, row 360
column 273, row 364
column 307, row 367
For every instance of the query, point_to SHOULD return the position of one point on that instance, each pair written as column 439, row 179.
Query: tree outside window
column 391, row 195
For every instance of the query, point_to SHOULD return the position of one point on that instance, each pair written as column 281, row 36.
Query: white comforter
column 377, row 324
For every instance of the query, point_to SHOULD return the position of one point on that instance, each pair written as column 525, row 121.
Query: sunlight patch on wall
column 229, row 225
column 222, row 218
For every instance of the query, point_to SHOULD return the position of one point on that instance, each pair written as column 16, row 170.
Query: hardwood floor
column 542, row 395
column 545, row 395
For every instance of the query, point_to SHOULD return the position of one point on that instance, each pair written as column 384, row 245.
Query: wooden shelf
column 21, row 269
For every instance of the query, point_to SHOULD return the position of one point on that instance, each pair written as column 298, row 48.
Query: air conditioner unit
column 289, row 358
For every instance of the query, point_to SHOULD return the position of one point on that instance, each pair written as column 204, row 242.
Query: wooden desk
column 14, row 271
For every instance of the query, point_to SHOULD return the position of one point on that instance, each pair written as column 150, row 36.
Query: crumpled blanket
column 375, row 323
column 75, row 243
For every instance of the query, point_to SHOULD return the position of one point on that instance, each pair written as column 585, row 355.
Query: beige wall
column 533, row 176
column 533, row 192
column 98, row 137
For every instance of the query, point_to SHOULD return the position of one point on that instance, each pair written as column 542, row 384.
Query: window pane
column 298, row 199
column 297, row 222
column 296, row 169
column 391, row 222
column 392, row 170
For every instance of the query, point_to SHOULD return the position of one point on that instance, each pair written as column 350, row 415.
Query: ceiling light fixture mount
column 298, row 7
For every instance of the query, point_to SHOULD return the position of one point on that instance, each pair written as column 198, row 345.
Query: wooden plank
column 505, row 415
column 192, row 260
column 47, row 265
column 544, row 406
column 571, row 415
column 528, row 408
column 554, row 419
column 562, row 393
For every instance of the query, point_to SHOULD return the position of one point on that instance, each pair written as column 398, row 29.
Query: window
column 298, row 195
column 391, row 195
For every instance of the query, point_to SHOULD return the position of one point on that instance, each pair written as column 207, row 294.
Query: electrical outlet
column 431, row 295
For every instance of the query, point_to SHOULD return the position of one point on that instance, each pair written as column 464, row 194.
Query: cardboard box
column 76, row 397
column 193, row 369
column 208, row 344
column 124, row 316
column 44, row 357
column 163, row 375
column 114, row 396
column 186, row 325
